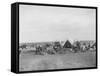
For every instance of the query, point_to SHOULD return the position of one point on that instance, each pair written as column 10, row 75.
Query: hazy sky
column 46, row 23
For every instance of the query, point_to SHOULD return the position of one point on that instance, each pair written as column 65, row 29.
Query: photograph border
column 15, row 36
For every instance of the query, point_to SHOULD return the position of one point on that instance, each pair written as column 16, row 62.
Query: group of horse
column 57, row 48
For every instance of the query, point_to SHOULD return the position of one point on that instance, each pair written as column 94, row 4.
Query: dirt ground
column 31, row 62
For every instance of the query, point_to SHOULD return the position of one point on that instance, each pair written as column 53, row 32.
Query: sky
column 47, row 23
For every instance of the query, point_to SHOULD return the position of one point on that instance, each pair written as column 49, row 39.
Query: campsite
column 57, row 55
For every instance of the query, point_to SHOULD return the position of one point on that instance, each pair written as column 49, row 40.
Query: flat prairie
column 31, row 62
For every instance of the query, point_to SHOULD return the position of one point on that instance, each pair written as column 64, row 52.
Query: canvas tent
column 67, row 44
column 94, row 45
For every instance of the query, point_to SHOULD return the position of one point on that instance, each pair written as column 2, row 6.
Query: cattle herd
column 57, row 47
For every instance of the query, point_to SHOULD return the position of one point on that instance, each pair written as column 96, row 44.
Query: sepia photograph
column 54, row 37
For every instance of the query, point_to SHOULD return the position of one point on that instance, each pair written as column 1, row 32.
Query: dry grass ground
column 30, row 62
